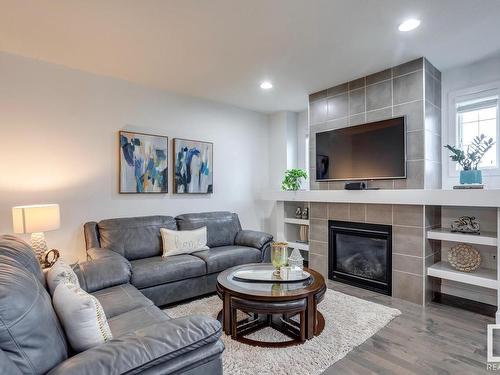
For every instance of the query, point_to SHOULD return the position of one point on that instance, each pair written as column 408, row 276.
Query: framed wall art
column 193, row 167
column 143, row 163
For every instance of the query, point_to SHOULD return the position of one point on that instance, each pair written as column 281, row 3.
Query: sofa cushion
column 220, row 258
column 82, row 317
column 15, row 248
column 134, row 237
column 136, row 319
column 159, row 270
column 222, row 227
column 121, row 299
column 28, row 323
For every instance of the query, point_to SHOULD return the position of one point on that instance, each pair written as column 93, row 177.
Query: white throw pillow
column 177, row 242
column 60, row 272
column 82, row 317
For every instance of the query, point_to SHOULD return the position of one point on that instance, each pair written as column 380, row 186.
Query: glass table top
column 263, row 287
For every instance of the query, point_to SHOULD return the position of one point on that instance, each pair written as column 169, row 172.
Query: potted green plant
column 470, row 159
column 293, row 179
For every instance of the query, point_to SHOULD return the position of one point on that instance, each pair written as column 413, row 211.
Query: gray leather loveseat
column 145, row 339
column 137, row 241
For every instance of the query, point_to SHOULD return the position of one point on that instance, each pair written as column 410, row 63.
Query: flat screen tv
column 372, row 151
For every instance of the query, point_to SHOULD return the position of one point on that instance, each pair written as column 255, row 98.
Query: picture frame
column 143, row 163
column 193, row 166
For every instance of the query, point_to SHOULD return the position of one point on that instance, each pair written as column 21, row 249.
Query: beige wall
column 59, row 132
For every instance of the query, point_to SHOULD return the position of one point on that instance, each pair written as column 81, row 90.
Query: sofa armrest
column 148, row 347
column 105, row 269
column 258, row 240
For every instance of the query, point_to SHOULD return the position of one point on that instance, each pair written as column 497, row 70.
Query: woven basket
column 464, row 258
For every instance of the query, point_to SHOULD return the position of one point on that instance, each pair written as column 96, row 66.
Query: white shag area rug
column 349, row 321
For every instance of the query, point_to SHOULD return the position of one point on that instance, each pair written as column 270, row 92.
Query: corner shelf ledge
column 444, row 234
column 290, row 220
column 298, row 245
column 483, row 277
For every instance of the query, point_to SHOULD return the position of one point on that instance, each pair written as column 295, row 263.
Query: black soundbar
column 355, row 186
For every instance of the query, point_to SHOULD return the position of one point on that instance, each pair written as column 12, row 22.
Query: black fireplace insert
column 360, row 254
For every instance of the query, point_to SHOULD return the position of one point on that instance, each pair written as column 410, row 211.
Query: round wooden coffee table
column 290, row 307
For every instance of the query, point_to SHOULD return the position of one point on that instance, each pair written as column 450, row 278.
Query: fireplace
column 360, row 254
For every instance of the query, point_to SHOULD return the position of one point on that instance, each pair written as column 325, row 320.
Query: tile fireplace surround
column 411, row 251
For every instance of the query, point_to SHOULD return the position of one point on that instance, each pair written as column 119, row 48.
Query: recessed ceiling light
column 409, row 24
column 266, row 85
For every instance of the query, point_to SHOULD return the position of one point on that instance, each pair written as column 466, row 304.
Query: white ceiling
column 223, row 49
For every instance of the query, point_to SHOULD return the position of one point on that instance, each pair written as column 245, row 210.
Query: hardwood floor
column 437, row 339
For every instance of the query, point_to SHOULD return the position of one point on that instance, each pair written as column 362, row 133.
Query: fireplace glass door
column 360, row 254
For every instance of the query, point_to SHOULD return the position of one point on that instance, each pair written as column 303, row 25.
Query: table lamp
column 36, row 220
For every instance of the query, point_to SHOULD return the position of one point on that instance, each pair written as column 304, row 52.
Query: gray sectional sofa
column 145, row 339
column 126, row 273
column 137, row 242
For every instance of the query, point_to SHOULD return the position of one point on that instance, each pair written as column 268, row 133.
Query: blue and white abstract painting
column 143, row 163
column 193, row 167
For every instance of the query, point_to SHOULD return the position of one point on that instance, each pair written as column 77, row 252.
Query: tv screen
column 375, row 150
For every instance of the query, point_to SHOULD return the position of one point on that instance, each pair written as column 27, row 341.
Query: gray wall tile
column 415, row 173
column 432, row 147
column 380, row 76
column 318, row 230
column 357, row 212
column 339, row 89
column 379, row 114
column 357, row 119
column 432, row 118
column 408, row 240
column 408, row 88
column 381, row 184
column 378, row 95
column 320, row 248
column 379, row 213
column 357, row 101
column 432, row 69
column 415, row 145
column 319, row 263
column 408, row 67
column 317, row 111
column 336, row 185
column 357, row 83
column 408, row 287
column 317, row 95
column 414, row 113
column 338, row 211
column 318, row 210
column 408, row 264
column 408, row 215
column 337, row 106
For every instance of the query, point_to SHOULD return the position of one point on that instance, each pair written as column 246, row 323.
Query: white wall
column 476, row 74
column 59, row 132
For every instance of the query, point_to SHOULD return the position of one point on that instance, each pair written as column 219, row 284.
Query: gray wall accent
column 412, row 89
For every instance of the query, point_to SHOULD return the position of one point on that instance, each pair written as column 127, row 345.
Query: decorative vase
column 473, row 176
column 298, row 212
column 279, row 255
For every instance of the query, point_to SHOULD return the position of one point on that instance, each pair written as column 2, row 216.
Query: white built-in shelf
column 291, row 220
column 298, row 245
column 484, row 277
column 443, row 234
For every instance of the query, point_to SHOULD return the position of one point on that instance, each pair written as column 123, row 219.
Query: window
column 476, row 116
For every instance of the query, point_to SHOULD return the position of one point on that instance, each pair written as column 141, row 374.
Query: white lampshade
column 36, row 218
